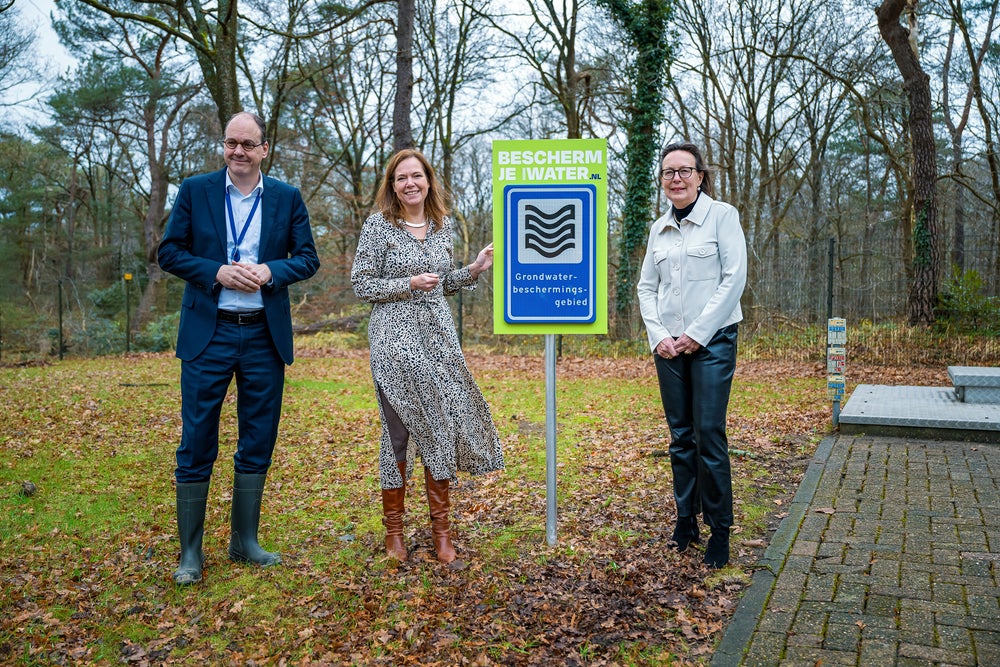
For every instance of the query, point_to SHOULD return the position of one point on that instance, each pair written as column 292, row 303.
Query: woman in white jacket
column 692, row 278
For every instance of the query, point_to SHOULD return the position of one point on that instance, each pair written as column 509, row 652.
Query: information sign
column 835, row 387
column 550, row 257
column 836, row 331
column 550, row 236
column 836, row 360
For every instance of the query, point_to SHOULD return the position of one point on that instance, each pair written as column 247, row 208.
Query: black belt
column 252, row 317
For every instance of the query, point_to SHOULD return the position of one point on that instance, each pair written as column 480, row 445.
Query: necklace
column 414, row 225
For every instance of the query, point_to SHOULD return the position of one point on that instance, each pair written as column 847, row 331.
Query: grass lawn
column 86, row 559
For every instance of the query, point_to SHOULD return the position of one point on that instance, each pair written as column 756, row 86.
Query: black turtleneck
column 681, row 213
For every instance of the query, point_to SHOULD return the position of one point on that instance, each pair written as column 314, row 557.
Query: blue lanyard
column 246, row 225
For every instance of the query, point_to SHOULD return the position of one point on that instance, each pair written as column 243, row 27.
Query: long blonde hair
column 436, row 205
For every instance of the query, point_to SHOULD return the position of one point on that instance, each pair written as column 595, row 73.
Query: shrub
column 963, row 306
column 160, row 334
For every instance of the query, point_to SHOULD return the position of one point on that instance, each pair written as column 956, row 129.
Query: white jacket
column 692, row 279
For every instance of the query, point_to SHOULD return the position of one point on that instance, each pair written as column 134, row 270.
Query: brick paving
column 890, row 556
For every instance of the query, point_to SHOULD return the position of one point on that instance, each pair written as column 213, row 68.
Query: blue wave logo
column 550, row 234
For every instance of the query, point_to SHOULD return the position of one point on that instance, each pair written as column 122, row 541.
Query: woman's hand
column 665, row 348
column 484, row 260
column 425, row 282
column 668, row 348
column 686, row 345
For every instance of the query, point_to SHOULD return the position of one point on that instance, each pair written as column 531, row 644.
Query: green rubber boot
column 191, row 501
column 243, row 547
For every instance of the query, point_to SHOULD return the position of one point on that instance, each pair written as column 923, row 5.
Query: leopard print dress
column 416, row 359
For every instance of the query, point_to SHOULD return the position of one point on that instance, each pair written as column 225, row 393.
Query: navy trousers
column 246, row 352
column 694, row 389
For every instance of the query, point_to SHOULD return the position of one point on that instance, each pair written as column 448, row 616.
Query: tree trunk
column 976, row 57
column 958, row 230
column 154, row 294
column 218, row 64
column 925, row 236
column 402, row 133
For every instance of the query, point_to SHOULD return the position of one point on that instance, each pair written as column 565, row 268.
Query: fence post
column 829, row 280
column 60, row 321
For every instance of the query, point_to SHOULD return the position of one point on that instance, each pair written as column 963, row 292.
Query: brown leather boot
column 393, row 509
column 437, row 499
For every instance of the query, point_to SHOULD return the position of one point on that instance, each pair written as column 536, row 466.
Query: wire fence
column 792, row 289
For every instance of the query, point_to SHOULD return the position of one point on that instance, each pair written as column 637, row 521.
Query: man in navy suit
column 239, row 239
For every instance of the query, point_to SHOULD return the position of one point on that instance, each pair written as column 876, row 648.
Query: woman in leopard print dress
column 428, row 401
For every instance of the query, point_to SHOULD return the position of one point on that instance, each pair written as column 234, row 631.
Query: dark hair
column 387, row 203
column 261, row 125
column 699, row 162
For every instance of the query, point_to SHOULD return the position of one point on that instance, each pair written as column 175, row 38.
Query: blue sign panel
column 550, row 237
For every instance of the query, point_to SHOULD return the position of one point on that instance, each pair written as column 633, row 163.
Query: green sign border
column 512, row 170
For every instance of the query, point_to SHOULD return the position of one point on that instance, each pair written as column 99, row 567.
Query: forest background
column 857, row 139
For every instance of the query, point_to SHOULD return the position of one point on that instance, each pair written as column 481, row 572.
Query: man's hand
column 243, row 277
column 260, row 271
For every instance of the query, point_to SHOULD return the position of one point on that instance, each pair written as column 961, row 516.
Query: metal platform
column 976, row 384
column 920, row 412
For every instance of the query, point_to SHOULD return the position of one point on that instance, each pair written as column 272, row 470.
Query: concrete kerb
column 736, row 640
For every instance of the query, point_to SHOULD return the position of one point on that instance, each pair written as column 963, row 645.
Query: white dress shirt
column 693, row 273
column 230, row 299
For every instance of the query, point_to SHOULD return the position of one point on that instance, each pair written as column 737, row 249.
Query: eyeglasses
column 247, row 145
column 683, row 172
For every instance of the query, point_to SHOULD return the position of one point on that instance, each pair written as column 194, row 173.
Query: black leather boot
column 685, row 532
column 717, row 551
column 191, row 501
column 243, row 547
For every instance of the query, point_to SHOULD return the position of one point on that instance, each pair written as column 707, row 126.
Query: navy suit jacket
column 194, row 247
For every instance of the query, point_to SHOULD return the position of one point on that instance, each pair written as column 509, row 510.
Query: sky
column 49, row 52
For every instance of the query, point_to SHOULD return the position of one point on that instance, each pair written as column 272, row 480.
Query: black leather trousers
column 695, row 393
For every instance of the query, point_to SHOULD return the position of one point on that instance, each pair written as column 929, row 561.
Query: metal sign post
column 550, row 206
column 128, row 316
column 550, row 439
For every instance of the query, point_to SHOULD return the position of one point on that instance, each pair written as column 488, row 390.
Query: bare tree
column 342, row 127
column 739, row 87
column 975, row 56
column 455, row 55
column 145, row 125
column 455, row 58
column 16, row 48
column 209, row 30
column 549, row 48
column 212, row 32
